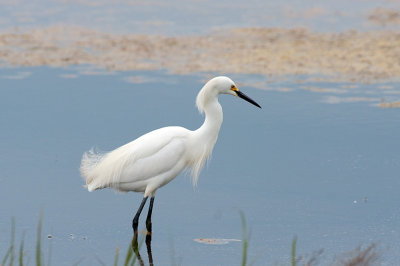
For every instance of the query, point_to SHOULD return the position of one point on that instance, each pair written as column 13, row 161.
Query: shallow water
column 327, row 173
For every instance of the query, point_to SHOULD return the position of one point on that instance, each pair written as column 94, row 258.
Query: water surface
column 196, row 17
column 327, row 173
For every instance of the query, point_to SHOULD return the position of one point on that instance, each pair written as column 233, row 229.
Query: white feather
column 156, row 158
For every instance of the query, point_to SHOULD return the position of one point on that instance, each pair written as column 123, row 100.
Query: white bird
column 156, row 158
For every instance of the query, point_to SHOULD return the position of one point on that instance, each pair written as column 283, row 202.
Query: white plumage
column 142, row 165
column 154, row 159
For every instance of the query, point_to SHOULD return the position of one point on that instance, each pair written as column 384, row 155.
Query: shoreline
column 351, row 56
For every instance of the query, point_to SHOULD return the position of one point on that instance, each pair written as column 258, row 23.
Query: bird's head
column 220, row 85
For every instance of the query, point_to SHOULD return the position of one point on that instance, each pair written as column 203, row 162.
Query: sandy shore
column 349, row 56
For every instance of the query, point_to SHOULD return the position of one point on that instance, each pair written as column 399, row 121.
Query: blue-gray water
column 328, row 173
column 192, row 17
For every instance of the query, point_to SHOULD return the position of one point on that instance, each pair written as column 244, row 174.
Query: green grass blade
column 244, row 239
column 128, row 255
column 38, row 242
column 10, row 251
column 294, row 242
column 21, row 251
column 141, row 241
column 12, row 241
column 116, row 257
column 130, row 258
column 6, row 256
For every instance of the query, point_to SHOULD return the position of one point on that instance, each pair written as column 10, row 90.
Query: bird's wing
column 147, row 156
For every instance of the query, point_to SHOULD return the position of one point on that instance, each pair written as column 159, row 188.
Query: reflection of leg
column 148, row 235
column 135, row 221
column 148, row 245
column 135, row 248
column 148, row 220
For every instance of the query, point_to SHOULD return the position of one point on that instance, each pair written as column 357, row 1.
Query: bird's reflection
column 135, row 245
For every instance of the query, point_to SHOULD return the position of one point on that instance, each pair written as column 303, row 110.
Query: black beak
column 246, row 98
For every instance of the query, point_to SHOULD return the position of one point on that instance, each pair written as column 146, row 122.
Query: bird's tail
column 90, row 159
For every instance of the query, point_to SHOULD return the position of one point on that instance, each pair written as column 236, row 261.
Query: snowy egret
column 156, row 158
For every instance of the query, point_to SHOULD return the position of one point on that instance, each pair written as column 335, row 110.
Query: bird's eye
column 233, row 88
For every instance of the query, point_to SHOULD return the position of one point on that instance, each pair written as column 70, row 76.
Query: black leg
column 148, row 220
column 135, row 221
column 148, row 236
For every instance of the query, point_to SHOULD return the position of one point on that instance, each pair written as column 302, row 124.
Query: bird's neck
column 204, row 138
column 212, row 123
